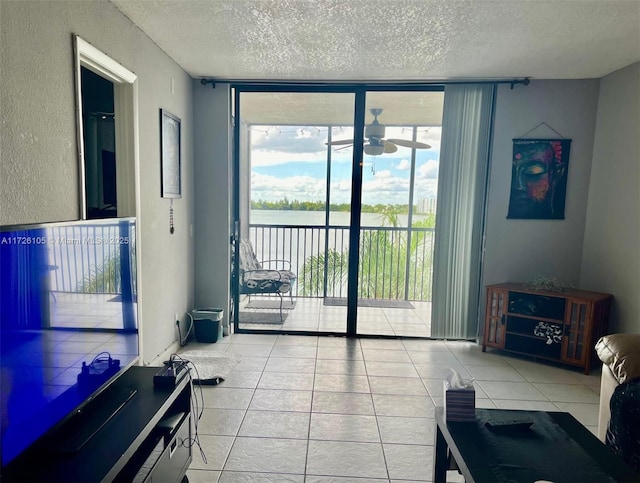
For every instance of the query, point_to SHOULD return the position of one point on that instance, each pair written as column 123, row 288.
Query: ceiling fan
column 376, row 144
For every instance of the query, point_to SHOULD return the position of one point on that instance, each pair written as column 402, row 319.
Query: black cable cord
column 196, row 409
column 98, row 359
column 185, row 341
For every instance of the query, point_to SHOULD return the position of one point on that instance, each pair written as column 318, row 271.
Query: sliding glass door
column 399, row 190
column 335, row 209
column 292, row 208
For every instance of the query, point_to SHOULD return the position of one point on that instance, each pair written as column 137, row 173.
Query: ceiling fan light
column 373, row 150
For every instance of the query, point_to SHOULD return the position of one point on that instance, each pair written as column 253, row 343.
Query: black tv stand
column 83, row 425
column 131, row 431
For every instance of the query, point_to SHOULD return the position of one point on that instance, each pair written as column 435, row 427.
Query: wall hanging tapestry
column 539, row 179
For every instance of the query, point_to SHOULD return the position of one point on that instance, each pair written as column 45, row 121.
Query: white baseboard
column 164, row 356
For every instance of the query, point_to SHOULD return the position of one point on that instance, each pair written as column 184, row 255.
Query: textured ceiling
column 392, row 40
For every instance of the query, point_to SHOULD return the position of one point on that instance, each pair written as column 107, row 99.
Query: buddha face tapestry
column 539, row 179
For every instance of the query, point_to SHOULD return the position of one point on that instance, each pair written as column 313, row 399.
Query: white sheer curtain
column 464, row 154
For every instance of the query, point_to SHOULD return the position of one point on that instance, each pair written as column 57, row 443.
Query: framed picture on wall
column 539, row 179
column 170, row 155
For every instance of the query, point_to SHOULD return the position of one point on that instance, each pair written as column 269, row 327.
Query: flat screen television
column 68, row 322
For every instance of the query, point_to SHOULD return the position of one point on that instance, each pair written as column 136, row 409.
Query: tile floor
column 330, row 409
column 310, row 314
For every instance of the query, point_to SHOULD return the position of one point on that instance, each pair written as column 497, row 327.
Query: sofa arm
column 608, row 384
column 620, row 356
column 621, row 353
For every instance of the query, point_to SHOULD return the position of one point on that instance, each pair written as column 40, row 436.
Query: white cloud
column 260, row 158
column 383, row 173
column 290, row 144
column 428, row 170
column 272, row 146
column 288, row 139
column 341, row 191
column 302, row 188
column 385, row 189
column 382, row 188
column 425, row 188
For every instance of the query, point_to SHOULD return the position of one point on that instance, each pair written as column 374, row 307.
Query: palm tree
column 107, row 278
column 382, row 267
column 312, row 277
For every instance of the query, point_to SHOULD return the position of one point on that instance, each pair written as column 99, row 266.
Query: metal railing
column 86, row 259
column 394, row 262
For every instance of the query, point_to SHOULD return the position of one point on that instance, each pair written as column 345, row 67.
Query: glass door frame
column 360, row 92
column 355, row 223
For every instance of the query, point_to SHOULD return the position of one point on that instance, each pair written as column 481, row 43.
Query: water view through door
column 399, row 192
column 293, row 209
column 293, row 214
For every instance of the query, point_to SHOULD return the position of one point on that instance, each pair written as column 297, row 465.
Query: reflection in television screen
column 68, row 296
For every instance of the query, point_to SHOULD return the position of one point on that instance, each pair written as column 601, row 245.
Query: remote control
column 508, row 425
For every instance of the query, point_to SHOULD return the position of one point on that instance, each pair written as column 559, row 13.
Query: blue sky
column 291, row 161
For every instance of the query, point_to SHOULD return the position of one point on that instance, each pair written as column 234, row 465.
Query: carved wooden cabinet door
column 495, row 321
column 574, row 348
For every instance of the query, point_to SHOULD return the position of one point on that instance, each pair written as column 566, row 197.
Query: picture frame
column 170, row 155
column 539, row 179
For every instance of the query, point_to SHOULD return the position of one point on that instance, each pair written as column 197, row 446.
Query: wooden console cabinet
column 148, row 438
column 558, row 326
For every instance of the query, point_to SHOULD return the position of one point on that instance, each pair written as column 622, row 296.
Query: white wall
column 213, row 188
column 519, row 250
column 39, row 169
column 611, row 255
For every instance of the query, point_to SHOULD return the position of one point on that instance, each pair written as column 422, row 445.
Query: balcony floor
column 311, row 315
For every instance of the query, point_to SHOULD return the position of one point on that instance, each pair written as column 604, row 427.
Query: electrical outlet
column 176, row 318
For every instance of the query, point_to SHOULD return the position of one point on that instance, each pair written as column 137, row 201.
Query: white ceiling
column 392, row 40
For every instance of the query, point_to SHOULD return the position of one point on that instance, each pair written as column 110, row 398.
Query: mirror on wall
column 99, row 145
column 107, row 134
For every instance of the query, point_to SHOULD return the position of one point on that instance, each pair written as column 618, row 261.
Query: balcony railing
column 80, row 265
column 394, row 262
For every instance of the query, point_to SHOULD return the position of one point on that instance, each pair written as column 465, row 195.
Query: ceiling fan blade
column 390, row 147
column 341, row 141
column 343, row 147
column 409, row 144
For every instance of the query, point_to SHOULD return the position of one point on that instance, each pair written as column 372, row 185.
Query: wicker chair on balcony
column 259, row 278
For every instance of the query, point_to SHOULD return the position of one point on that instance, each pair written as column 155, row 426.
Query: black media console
column 130, row 432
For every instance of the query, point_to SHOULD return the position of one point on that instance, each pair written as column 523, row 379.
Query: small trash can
column 207, row 324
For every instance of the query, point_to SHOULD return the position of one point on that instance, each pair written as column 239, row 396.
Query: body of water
column 317, row 218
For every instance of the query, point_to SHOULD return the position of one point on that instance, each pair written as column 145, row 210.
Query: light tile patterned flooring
column 310, row 314
column 331, row 409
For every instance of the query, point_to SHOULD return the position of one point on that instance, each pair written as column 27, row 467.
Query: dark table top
column 555, row 447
